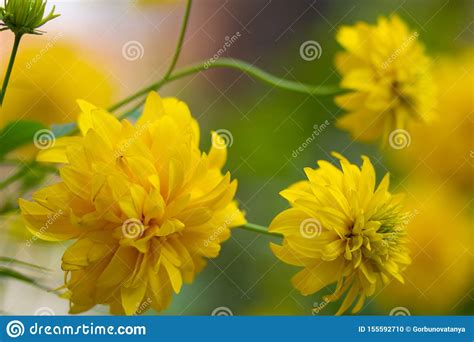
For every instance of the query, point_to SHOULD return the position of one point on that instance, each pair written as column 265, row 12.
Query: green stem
column 177, row 52
column 16, row 44
column 255, row 228
column 179, row 45
column 245, row 67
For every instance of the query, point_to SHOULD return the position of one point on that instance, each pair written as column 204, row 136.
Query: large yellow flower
column 389, row 78
column 143, row 204
column 47, row 80
column 445, row 148
column 440, row 277
column 342, row 228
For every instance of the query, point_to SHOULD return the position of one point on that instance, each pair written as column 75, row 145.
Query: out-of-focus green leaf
column 17, row 134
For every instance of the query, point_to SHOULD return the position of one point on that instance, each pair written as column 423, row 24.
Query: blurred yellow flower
column 342, row 228
column 446, row 148
column 46, row 82
column 145, row 206
column 389, row 78
column 440, row 277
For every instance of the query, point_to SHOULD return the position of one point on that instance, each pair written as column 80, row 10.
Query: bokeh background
column 82, row 56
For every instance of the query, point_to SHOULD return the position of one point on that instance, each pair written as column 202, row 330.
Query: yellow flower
column 388, row 77
column 143, row 204
column 440, row 236
column 342, row 228
column 445, row 148
column 46, row 81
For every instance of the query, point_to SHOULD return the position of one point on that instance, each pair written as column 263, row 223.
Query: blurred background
column 104, row 50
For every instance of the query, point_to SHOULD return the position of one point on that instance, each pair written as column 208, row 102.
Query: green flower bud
column 24, row 16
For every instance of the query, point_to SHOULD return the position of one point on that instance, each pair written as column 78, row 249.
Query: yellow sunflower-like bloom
column 389, row 78
column 445, row 148
column 342, row 228
column 440, row 277
column 144, row 205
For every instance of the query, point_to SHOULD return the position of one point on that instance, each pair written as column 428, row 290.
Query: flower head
column 25, row 16
column 143, row 204
column 441, row 270
column 342, row 228
column 388, row 77
column 48, row 81
column 445, row 148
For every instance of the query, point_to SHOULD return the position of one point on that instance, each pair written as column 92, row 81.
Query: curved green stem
column 177, row 52
column 179, row 45
column 16, row 44
column 245, row 67
column 255, row 228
